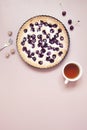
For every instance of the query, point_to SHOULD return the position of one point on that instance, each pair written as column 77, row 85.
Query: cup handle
column 66, row 81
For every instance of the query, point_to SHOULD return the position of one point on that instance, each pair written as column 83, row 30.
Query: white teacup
column 72, row 71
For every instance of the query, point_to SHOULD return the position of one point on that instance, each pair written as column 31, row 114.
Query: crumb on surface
column 10, row 33
column 7, row 55
column 12, row 51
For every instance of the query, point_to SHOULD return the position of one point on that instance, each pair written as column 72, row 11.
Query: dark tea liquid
column 71, row 70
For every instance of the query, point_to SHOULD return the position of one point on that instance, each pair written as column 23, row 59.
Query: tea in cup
column 72, row 71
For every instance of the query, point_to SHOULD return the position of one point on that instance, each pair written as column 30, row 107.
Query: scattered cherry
column 64, row 13
column 78, row 21
column 71, row 27
column 69, row 21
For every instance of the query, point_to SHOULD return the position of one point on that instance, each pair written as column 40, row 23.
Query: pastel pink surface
column 35, row 99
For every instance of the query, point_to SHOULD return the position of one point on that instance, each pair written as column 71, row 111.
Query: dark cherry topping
column 37, row 51
column 55, row 25
column 24, row 39
column 40, row 62
column 48, row 53
column 39, row 29
column 33, row 36
column 39, row 44
column 41, row 55
column 61, row 38
column 45, row 45
column 39, row 36
column 44, row 32
column 57, row 49
column 50, row 25
column 24, row 48
column 53, row 56
column 56, row 35
column 64, row 13
column 60, row 53
column 34, row 58
column 40, row 41
column 59, row 30
column 31, row 25
column 22, row 43
column 40, row 25
column 25, row 30
column 52, row 30
column 48, row 35
column 29, row 41
column 60, row 45
column 45, row 23
column 51, row 60
column 42, row 22
column 49, row 47
column 43, row 50
column 44, row 40
column 48, row 58
column 36, row 23
column 28, row 36
column 28, row 51
column 34, row 40
column 69, row 21
column 32, row 54
column 71, row 27
column 51, row 41
column 29, row 56
column 33, row 29
column 54, row 40
column 57, row 42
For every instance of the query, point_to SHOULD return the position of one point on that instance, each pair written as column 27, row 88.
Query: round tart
column 42, row 41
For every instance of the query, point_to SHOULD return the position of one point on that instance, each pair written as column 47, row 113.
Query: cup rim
column 79, row 75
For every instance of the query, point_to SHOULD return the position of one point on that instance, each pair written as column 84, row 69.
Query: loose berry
column 71, row 27
column 64, row 13
column 69, row 21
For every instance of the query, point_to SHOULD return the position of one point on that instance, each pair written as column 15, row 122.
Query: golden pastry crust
column 62, row 39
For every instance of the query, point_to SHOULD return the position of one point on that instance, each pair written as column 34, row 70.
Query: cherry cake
column 42, row 41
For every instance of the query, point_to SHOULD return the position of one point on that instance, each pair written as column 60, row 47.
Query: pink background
column 35, row 99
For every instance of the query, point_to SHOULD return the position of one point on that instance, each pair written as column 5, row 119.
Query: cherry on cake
column 42, row 41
